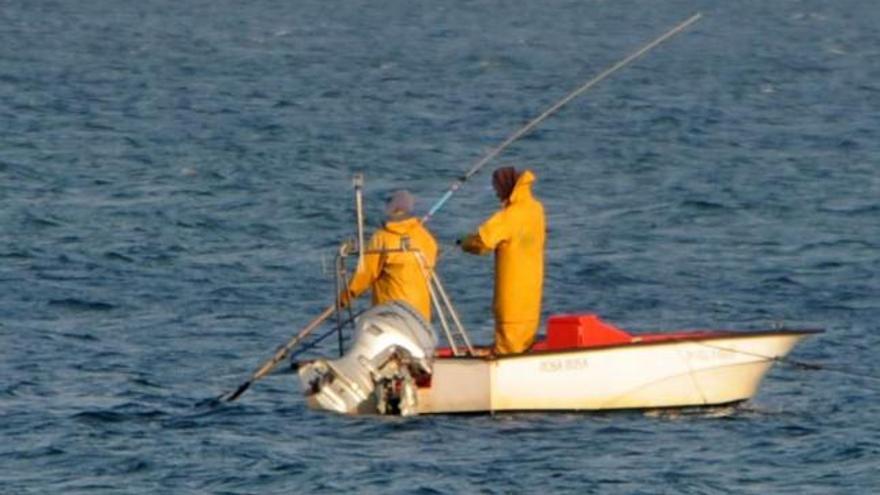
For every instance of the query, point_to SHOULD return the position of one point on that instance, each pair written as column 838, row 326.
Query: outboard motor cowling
column 392, row 347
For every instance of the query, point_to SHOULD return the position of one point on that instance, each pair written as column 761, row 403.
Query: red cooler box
column 572, row 331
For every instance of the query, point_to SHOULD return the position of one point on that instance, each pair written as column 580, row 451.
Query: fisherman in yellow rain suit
column 516, row 234
column 397, row 276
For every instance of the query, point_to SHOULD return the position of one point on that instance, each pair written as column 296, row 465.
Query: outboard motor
column 392, row 348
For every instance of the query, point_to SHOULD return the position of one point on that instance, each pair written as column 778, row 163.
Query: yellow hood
column 523, row 187
column 402, row 227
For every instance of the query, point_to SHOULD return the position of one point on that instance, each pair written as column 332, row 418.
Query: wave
column 81, row 305
column 700, row 204
column 110, row 417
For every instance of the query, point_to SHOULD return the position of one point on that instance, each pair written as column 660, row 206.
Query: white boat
column 393, row 365
column 583, row 364
column 683, row 370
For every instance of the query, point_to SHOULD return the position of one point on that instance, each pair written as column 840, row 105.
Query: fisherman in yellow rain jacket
column 397, row 276
column 516, row 234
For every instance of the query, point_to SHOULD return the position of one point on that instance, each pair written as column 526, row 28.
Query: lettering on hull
column 559, row 365
column 708, row 354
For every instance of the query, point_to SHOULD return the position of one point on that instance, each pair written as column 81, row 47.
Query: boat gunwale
column 699, row 336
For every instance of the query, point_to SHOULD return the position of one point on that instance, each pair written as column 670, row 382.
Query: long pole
column 550, row 111
column 279, row 356
column 358, row 181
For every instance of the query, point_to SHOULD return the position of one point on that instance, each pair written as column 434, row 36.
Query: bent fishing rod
column 456, row 185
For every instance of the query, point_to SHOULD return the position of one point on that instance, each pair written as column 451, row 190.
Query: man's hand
column 471, row 243
column 344, row 299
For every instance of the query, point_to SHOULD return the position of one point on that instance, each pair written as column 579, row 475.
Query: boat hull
column 703, row 370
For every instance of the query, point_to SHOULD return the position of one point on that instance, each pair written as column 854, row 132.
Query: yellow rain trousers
column 396, row 276
column 516, row 234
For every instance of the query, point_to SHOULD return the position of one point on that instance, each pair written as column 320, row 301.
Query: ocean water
column 175, row 178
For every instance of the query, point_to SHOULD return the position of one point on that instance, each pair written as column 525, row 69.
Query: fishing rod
column 553, row 109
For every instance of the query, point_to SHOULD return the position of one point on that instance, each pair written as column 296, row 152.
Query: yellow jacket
column 397, row 276
column 516, row 233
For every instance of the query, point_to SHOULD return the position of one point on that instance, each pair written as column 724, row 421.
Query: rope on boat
column 822, row 367
column 794, row 363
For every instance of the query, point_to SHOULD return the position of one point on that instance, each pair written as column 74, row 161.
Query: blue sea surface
column 175, row 178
